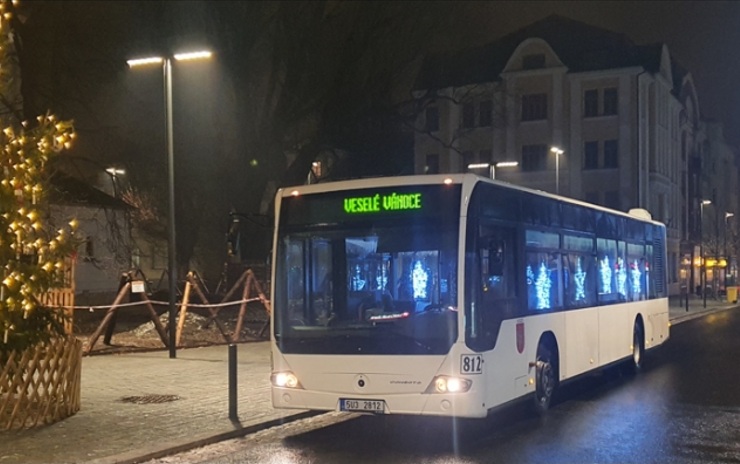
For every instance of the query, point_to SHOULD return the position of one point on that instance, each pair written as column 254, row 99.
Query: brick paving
column 109, row 430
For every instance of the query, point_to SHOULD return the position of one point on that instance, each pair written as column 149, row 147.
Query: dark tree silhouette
column 290, row 82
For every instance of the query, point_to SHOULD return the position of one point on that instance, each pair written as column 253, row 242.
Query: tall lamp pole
column 171, row 236
column 728, row 215
column 558, row 151
column 703, row 277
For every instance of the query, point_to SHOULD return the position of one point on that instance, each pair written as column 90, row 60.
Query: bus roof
column 468, row 181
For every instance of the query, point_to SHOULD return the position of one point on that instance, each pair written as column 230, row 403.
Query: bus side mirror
column 496, row 257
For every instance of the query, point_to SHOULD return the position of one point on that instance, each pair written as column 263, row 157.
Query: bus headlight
column 285, row 380
column 447, row 384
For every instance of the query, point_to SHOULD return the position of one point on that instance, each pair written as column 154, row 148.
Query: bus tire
column 546, row 377
column 638, row 347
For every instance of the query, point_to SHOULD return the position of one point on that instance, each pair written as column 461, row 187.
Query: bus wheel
column 638, row 347
column 545, row 379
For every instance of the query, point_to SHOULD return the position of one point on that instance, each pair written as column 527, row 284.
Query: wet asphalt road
column 684, row 407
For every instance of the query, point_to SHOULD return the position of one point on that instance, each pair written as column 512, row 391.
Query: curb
column 167, row 449
column 703, row 312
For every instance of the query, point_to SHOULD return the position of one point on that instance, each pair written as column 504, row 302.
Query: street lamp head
column 557, row 150
column 144, row 61
column 196, row 55
column 478, row 165
column 115, row 171
column 729, row 215
column 507, row 164
column 706, row 202
column 186, row 56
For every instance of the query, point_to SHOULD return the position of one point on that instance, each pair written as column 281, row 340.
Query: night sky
column 703, row 36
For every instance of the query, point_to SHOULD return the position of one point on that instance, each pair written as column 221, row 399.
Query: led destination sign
column 378, row 203
column 400, row 202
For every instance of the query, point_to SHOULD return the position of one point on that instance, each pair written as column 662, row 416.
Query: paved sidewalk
column 110, row 430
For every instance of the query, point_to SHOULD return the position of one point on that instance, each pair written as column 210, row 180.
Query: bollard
column 688, row 293
column 232, row 383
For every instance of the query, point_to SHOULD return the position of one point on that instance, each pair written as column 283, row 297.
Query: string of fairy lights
column 31, row 252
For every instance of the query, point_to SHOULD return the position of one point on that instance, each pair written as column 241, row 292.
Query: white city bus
column 453, row 294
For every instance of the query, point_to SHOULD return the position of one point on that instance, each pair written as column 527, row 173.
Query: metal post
column 688, row 288
column 702, row 265
column 169, row 142
column 232, row 383
column 557, row 151
column 728, row 215
column 557, row 172
column 171, row 248
column 493, row 171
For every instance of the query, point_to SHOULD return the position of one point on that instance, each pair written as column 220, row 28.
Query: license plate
column 373, row 406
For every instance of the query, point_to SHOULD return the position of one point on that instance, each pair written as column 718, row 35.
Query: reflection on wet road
column 684, row 407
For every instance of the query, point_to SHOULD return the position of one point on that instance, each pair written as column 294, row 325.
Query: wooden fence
column 41, row 385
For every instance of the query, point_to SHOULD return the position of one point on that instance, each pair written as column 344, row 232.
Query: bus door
column 494, row 282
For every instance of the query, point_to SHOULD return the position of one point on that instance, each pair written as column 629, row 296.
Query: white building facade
column 625, row 125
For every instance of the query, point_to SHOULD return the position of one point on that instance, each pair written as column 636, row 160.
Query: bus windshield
column 383, row 286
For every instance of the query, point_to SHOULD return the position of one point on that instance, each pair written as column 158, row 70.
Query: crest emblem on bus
column 520, row 336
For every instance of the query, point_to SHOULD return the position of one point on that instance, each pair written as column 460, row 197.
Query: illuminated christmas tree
column 636, row 274
column 605, row 271
column 621, row 278
column 580, row 280
column 419, row 279
column 31, row 253
column 543, row 284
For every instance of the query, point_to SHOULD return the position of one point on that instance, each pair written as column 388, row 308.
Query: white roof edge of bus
column 427, row 179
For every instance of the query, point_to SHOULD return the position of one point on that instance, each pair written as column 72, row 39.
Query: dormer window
column 536, row 61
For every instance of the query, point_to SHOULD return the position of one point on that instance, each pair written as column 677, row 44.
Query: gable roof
column 68, row 190
column 580, row 46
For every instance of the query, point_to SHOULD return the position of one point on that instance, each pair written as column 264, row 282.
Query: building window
column 590, row 103
column 611, row 199
column 432, row 119
column 535, row 61
column 610, row 101
column 611, row 154
column 468, row 116
column 89, row 250
column 485, row 117
column 591, row 155
column 534, row 157
column 534, row 107
column 432, row 166
column 661, row 216
column 468, row 158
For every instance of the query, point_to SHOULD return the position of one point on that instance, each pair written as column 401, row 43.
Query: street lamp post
column 171, row 236
column 728, row 215
column 558, row 151
column 703, row 275
column 492, row 166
